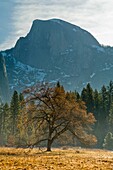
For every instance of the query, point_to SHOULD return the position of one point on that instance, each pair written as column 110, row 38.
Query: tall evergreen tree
column 7, row 123
column 90, row 99
column 96, row 104
column 15, row 109
column 110, row 94
column 108, row 141
column 1, row 123
column 104, row 103
column 84, row 95
column 110, row 119
column 87, row 97
column 103, row 115
column 4, row 122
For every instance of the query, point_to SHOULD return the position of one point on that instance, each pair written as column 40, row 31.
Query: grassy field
column 58, row 159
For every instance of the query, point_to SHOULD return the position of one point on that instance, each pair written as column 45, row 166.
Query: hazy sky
column 16, row 16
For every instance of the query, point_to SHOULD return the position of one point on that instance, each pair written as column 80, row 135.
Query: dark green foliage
column 15, row 109
column 108, row 141
column 21, row 97
column 84, row 95
column 15, row 103
column 58, row 84
column 9, row 119
column 104, row 102
column 87, row 97
column 4, row 123
column 77, row 96
column 110, row 119
column 96, row 104
column 90, row 99
column 100, row 103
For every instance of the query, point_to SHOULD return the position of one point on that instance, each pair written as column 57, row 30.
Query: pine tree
column 84, row 95
column 7, row 123
column 87, row 97
column 77, row 96
column 110, row 94
column 1, row 123
column 98, row 129
column 4, row 122
column 108, row 141
column 15, row 109
column 104, row 103
column 90, row 99
column 96, row 105
column 103, row 115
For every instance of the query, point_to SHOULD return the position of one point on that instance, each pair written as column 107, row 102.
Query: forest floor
column 58, row 159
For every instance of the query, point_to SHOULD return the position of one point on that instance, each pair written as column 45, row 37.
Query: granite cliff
column 55, row 50
column 4, row 89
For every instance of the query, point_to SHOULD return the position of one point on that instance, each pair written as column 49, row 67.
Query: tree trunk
column 49, row 144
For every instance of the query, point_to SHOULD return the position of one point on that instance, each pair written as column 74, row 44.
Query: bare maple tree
column 57, row 112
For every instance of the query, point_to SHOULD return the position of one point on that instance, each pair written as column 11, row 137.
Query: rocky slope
column 4, row 89
column 55, row 50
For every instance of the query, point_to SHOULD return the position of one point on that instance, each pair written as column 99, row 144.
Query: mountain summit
column 55, row 50
column 50, row 40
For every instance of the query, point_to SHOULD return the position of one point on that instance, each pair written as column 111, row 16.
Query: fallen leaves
column 58, row 159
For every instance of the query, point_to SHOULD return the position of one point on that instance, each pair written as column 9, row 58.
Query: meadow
column 58, row 159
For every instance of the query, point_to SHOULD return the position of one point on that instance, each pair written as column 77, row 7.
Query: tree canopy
column 56, row 112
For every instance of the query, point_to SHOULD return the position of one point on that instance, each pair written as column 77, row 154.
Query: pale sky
column 16, row 17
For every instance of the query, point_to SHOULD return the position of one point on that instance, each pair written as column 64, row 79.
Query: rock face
column 55, row 50
column 52, row 41
column 4, row 90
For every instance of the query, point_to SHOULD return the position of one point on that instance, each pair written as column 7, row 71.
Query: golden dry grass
column 58, row 159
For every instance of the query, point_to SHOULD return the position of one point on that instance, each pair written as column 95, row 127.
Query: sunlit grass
column 58, row 159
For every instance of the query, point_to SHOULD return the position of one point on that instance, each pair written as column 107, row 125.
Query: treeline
column 9, row 115
column 100, row 103
column 45, row 114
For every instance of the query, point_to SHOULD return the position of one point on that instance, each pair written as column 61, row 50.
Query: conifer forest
column 49, row 116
